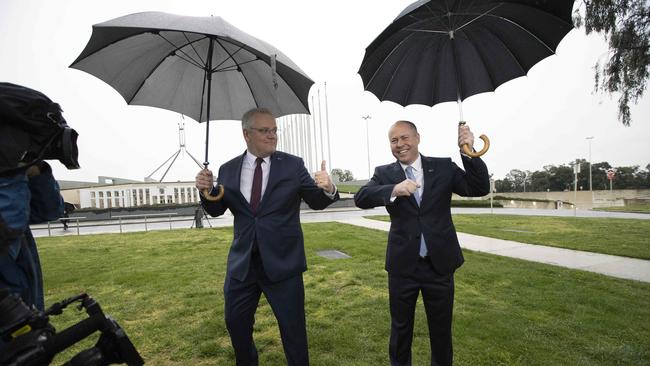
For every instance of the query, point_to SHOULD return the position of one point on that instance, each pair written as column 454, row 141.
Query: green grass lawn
column 629, row 208
column 165, row 289
column 624, row 237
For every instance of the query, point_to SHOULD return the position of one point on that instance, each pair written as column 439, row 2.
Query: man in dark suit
column 263, row 190
column 423, row 250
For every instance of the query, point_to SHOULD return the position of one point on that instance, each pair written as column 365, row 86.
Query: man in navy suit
column 263, row 190
column 423, row 250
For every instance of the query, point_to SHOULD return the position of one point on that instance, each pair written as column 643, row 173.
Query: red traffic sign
column 610, row 174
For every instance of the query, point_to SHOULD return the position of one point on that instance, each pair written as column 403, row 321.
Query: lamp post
column 366, row 118
column 576, row 171
column 589, row 138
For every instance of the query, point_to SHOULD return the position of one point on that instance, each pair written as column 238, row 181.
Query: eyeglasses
column 266, row 131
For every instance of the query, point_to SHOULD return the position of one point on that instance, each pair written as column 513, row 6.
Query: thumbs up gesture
column 323, row 179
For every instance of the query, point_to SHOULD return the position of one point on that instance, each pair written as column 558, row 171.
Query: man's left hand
column 323, row 179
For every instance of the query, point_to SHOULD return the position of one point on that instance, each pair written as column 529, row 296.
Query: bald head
column 404, row 140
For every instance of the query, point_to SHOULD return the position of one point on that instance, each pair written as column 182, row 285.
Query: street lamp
column 589, row 138
column 366, row 118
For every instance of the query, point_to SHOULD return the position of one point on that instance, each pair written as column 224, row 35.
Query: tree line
column 561, row 178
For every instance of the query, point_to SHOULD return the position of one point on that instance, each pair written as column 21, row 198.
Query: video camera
column 32, row 128
column 32, row 341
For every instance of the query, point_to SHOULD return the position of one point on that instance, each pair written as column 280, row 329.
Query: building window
column 147, row 197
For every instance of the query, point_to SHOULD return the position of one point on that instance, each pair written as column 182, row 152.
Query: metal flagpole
column 310, row 154
column 320, row 126
column 327, row 121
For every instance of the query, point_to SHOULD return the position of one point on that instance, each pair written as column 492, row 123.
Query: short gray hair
column 247, row 118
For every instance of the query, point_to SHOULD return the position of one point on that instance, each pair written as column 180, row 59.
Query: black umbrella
column 202, row 67
column 448, row 50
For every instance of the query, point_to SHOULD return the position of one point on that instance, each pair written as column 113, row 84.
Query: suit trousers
column 438, row 297
column 287, row 300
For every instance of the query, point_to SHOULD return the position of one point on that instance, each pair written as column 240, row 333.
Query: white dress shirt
column 247, row 173
column 417, row 172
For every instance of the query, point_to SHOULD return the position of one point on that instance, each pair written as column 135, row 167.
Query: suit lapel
column 428, row 170
column 236, row 179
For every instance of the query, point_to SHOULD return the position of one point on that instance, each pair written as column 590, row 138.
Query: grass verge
column 165, row 289
column 623, row 237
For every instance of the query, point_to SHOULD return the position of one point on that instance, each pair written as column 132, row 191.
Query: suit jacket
column 276, row 224
column 432, row 218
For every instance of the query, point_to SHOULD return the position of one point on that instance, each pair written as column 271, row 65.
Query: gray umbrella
column 202, row 67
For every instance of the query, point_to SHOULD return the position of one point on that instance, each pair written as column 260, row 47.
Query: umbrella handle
column 467, row 150
column 206, row 194
column 486, row 145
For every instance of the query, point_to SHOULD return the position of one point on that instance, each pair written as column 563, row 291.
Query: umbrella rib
column 489, row 72
column 478, row 17
column 193, row 48
column 240, row 71
column 525, row 30
column 425, row 31
column 231, row 68
column 177, row 48
column 230, row 56
column 507, row 49
column 411, row 50
column 385, row 59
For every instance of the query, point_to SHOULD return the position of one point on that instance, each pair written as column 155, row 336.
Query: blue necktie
column 418, row 199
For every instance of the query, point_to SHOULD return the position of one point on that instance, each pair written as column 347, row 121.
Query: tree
column 561, row 178
column 539, row 181
column 625, row 24
column 504, row 185
column 343, row 175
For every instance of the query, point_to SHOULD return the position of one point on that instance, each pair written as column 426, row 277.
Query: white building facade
column 138, row 194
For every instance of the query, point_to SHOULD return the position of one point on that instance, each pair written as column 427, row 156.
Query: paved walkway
column 610, row 265
column 620, row 267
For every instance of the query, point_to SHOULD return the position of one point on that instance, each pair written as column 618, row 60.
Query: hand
column 204, row 180
column 465, row 136
column 323, row 179
column 406, row 188
column 33, row 171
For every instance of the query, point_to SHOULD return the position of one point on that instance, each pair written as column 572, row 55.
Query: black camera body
column 32, row 128
column 30, row 340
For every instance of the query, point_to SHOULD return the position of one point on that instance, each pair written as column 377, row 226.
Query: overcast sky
column 532, row 121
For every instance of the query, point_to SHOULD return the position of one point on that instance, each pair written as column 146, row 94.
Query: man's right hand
column 406, row 188
column 204, row 180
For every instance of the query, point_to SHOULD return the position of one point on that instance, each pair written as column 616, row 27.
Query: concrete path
column 620, row 267
column 610, row 265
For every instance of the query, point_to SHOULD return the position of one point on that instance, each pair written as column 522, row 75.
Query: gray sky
column 532, row 121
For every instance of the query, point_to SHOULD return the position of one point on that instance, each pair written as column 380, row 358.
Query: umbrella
column 202, row 67
column 448, row 50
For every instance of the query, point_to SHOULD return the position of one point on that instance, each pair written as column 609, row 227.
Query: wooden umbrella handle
column 467, row 150
column 486, row 145
column 206, row 194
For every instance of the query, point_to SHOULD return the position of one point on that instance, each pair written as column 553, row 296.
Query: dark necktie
column 256, row 191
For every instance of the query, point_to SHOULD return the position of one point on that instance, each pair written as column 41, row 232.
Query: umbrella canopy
column 447, row 50
column 202, row 67
column 167, row 61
